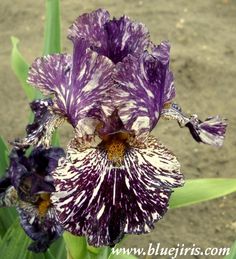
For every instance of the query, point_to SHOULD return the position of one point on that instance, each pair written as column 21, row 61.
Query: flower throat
column 116, row 146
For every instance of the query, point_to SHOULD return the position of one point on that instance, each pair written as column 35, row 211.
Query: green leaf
column 95, row 250
column 76, row 246
column 52, row 36
column 15, row 245
column 48, row 255
column 21, row 68
column 232, row 254
column 7, row 217
column 120, row 249
column 122, row 256
column 4, row 160
column 99, row 252
column 58, row 249
column 199, row 190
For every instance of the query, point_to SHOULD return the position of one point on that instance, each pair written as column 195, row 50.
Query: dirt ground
column 203, row 35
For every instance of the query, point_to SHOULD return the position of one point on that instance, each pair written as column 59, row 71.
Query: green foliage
column 78, row 249
column 199, row 190
column 58, row 249
column 4, row 160
column 120, row 256
column 52, row 34
column 76, row 246
column 21, row 68
column 7, row 215
column 15, row 243
column 232, row 254
column 99, row 253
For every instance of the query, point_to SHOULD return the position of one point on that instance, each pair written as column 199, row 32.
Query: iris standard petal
column 91, row 80
column 90, row 26
column 79, row 86
column 91, row 192
column 211, row 131
column 51, row 73
column 114, row 39
column 145, row 85
column 125, row 37
column 162, row 53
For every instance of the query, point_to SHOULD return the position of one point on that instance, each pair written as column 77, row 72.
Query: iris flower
column 28, row 186
column 116, row 177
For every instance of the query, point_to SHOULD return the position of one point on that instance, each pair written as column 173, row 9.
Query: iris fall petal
column 91, row 192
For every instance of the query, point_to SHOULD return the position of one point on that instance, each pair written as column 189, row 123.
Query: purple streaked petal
column 40, row 107
column 91, row 192
column 31, row 175
column 45, row 122
column 80, row 85
column 51, row 73
column 25, row 185
column 114, row 39
column 90, row 26
column 91, row 81
column 162, row 53
column 211, row 131
column 43, row 231
column 125, row 37
column 43, row 162
column 145, row 85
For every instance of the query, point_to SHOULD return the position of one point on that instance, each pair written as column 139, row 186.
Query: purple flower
column 114, row 39
column 116, row 177
column 27, row 186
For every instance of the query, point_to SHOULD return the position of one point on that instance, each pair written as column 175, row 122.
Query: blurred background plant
column 13, row 240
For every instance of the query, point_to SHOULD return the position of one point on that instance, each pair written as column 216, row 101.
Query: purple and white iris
column 116, row 178
column 27, row 186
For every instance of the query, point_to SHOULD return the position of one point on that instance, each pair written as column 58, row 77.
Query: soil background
column 203, row 39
